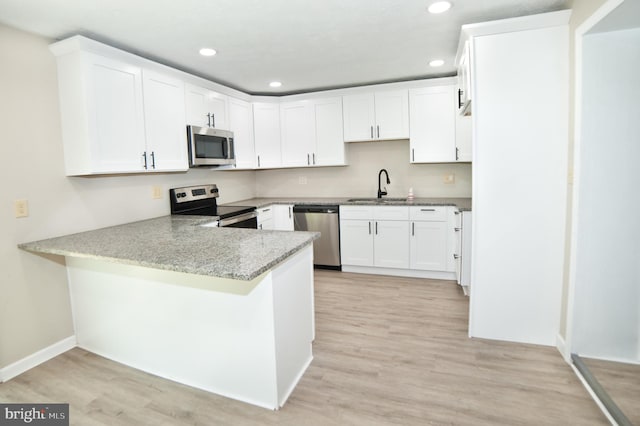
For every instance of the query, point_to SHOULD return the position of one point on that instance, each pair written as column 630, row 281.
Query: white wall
column 519, row 184
column 34, row 301
column 607, row 276
column 360, row 178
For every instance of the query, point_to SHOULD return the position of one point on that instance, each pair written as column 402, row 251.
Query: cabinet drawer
column 429, row 213
column 356, row 212
column 391, row 213
column 265, row 213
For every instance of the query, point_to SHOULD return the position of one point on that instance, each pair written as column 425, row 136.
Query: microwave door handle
column 230, row 153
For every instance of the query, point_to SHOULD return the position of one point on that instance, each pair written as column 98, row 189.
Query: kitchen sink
column 376, row 200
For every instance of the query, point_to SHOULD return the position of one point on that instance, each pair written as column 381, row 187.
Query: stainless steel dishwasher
column 326, row 220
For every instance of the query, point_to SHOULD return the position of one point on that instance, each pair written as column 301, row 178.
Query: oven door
column 247, row 220
column 210, row 147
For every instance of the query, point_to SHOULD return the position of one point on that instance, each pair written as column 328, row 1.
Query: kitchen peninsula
column 226, row 310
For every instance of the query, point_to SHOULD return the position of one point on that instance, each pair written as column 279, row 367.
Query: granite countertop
column 463, row 204
column 179, row 243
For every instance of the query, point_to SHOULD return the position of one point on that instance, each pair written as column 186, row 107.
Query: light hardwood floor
column 622, row 383
column 387, row 351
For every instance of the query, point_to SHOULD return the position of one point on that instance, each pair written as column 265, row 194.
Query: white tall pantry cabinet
column 520, row 91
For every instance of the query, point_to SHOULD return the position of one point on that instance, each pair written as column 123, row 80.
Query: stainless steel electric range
column 201, row 200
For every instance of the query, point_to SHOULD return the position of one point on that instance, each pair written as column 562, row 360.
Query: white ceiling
column 305, row 44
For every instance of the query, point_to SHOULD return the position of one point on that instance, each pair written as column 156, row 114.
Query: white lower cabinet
column 356, row 242
column 432, row 238
column 283, row 217
column 277, row 217
column 265, row 218
column 402, row 240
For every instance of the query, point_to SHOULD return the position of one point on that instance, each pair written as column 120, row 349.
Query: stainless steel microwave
column 210, row 147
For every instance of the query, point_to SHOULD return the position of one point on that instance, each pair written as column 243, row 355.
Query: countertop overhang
column 181, row 244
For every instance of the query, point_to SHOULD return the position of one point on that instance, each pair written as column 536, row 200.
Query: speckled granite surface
column 464, row 204
column 178, row 243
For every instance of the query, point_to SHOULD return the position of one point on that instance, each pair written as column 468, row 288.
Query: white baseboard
column 35, row 359
column 411, row 273
column 562, row 348
column 594, row 396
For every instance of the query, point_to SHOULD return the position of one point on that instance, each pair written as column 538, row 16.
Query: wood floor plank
column 388, row 351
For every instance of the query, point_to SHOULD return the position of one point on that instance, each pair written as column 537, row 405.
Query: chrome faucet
column 380, row 191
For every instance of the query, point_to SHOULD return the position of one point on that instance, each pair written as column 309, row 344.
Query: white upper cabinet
column 103, row 106
column 241, row 124
column 376, row 116
column 463, row 138
column 164, row 117
column 329, row 132
column 266, row 129
column 312, row 133
column 297, row 133
column 464, row 80
column 433, row 124
column 392, row 115
column 206, row 108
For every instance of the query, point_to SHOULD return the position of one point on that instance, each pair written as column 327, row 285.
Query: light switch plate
column 449, row 178
column 302, row 180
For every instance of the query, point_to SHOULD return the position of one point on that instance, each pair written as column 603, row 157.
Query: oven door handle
column 239, row 218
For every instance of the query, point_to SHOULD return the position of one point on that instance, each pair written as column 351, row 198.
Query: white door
column 266, row 130
column 165, row 126
column 329, row 142
column 359, row 117
column 116, row 121
column 392, row 115
column 433, row 125
column 241, row 124
column 356, row 242
column 391, row 244
column 429, row 246
column 297, row 128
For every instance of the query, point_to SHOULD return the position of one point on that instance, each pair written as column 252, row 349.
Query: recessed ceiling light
column 275, row 84
column 439, row 7
column 205, row 51
column 436, row 63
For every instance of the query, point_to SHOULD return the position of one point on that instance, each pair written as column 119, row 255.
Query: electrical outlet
column 302, row 180
column 156, row 192
column 21, row 208
column 449, row 178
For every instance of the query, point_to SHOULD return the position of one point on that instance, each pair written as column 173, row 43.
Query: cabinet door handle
column 460, row 92
column 308, row 161
column 144, row 155
column 265, row 210
column 456, row 256
column 258, row 161
column 371, row 132
column 314, row 158
column 208, row 120
column 260, row 226
column 413, row 229
column 213, row 120
column 369, row 228
column 376, row 228
column 378, row 131
column 413, row 154
column 153, row 160
column 289, row 212
column 456, row 229
column 457, row 153
column 427, row 210
column 457, row 212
